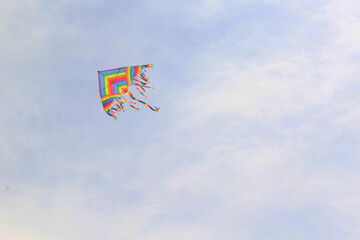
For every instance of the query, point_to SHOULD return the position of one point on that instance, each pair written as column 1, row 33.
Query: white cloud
column 271, row 176
column 265, row 92
column 239, row 157
column 344, row 18
column 349, row 117
column 290, row 81
column 310, row 81
column 205, row 9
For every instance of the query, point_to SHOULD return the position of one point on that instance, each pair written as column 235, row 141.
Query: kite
column 114, row 86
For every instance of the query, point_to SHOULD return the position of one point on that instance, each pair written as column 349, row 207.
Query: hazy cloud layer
column 256, row 138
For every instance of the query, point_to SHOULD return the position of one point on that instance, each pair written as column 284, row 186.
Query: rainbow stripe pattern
column 114, row 87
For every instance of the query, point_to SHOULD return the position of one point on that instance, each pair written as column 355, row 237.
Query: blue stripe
column 101, row 84
column 109, row 100
column 120, row 82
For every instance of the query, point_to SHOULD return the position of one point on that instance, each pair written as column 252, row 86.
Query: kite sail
column 114, row 87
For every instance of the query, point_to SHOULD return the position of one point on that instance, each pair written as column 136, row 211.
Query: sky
column 257, row 136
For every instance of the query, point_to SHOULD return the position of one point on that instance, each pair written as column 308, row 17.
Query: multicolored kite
column 115, row 83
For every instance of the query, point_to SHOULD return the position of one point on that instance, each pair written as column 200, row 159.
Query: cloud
column 289, row 80
column 257, row 128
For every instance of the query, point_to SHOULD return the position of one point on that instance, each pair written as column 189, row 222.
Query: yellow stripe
column 113, row 74
column 104, row 98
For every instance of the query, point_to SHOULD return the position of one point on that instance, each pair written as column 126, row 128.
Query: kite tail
column 141, row 92
column 143, row 89
column 119, row 108
column 141, row 78
column 112, row 114
column 124, row 100
column 134, row 107
column 141, row 81
column 138, row 100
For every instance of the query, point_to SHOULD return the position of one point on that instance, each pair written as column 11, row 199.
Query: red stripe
column 118, row 77
column 107, row 105
column 124, row 90
column 137, row 70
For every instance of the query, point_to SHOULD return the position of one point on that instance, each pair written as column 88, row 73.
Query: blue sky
column 256, row 138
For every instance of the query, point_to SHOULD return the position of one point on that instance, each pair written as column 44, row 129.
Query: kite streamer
column 114, row 86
